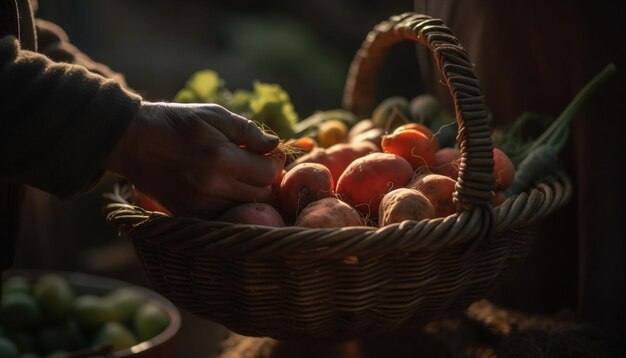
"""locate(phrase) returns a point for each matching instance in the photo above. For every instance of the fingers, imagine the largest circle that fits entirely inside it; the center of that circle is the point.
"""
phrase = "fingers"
(248, 193)
(258, 169)
(243, 131)
(217, 195)
(236, 128)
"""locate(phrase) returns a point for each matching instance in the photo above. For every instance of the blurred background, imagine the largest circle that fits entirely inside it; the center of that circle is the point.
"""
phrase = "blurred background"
(156, 45)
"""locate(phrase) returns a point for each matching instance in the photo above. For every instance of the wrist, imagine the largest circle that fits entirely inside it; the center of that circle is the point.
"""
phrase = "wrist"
(116, 162)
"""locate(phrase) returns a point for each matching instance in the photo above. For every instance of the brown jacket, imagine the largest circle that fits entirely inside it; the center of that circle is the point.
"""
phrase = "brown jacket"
(60, 115)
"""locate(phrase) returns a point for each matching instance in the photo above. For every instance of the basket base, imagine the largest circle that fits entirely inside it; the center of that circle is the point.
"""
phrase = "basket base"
(484, 330)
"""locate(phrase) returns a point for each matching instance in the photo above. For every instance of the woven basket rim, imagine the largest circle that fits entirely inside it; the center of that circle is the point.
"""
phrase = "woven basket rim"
(221, 238)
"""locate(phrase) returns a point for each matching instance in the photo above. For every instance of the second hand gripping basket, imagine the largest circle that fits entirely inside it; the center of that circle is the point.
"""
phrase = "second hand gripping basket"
(295, 282)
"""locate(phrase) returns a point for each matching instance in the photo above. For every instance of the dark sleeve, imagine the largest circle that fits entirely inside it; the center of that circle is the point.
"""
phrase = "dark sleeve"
(53, 42)
(58, 122)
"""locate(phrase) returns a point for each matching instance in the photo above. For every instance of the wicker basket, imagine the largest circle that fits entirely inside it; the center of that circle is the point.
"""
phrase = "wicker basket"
(296, 282)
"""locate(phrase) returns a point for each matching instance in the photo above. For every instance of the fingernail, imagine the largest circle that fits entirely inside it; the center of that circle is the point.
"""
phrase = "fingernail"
(270, 138)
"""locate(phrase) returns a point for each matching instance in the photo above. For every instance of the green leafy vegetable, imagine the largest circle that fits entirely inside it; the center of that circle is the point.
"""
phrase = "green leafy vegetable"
(556, 135)
(270, 105)
(540, 158)
(267, 104)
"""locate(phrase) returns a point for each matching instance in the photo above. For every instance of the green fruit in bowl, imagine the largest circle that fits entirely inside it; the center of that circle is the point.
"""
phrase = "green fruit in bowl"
(19, 310)
(23, 340)
(7, 348)
(115, 334)
(124, 302)
(150, 320)
(61, 337)
(55, 297)
(15, 284)
(91, 311)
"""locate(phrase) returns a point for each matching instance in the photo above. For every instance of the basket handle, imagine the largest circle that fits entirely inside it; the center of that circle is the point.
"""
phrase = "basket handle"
(476, 180)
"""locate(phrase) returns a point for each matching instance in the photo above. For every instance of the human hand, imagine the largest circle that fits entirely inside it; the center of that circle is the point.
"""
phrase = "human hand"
(191, 157)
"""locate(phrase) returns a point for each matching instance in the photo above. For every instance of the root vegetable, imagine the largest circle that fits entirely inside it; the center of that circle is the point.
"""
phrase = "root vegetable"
(273, 199)
(438, 189)
(499, 197)
(447, 162)
(412, 145)
(317, 155)
(328, 213)
(404, 204)
(253, 213)
(367, 179)
(302, 185)
(361, 126)
(503, 169)
(421, 128)
(341, 155)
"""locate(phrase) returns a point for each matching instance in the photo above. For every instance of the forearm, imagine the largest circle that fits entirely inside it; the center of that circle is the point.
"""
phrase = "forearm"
(58, 122)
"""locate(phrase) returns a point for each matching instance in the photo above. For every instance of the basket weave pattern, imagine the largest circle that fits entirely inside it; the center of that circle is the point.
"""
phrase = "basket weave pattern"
(296, 282)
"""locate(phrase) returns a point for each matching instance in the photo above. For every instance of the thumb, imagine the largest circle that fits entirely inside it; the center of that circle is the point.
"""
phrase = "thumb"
(245, 132)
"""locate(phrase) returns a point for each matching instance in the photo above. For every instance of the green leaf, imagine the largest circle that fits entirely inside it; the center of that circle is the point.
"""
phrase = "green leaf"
(270, 106)
(239, 101)
(206, 85)
(186, 95)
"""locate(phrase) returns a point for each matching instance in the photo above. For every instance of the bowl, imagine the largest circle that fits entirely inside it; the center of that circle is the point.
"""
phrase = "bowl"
(161, 345)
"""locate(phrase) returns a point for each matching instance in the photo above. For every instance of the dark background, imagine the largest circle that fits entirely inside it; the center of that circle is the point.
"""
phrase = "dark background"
(306, 48)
